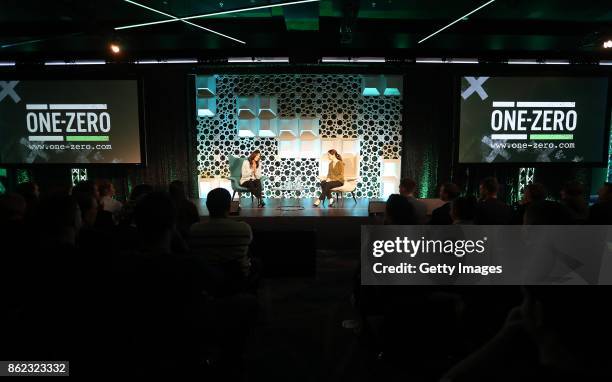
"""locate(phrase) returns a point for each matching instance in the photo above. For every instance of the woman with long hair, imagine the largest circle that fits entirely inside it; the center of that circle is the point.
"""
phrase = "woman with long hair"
(251, 176)
(335, 177)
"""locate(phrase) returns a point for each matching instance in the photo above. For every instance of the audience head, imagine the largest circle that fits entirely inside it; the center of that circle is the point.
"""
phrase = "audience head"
(334, 155)
(177, 190)
(59, 188)
(534, 192)
(89, 208)
(106, 188)
(218, 202)
(407, 187)
(139, 191)
(605, 192)
(155, 216)
(12, 208)
(449, 192)
(546, 212)
(29, 191)
(399, 211)
(59, 218)
(489, 187)
(572, 189)
(86, 187)
(463, 209)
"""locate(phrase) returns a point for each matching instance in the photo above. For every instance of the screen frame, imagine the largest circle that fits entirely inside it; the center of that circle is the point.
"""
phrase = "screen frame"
(603, 162)
(142, 131)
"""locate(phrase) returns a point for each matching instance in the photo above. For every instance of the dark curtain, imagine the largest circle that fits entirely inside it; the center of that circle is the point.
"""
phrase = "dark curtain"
(427, 155)
(170, 128)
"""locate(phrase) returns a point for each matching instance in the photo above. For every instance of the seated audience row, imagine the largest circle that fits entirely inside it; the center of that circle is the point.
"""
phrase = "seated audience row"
(490, 210)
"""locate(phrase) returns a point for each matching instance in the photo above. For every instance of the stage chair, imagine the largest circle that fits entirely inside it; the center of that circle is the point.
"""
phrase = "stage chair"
(235, 166)
(351, 177)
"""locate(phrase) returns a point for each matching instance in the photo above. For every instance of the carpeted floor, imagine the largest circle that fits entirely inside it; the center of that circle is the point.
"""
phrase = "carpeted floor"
(300, 335)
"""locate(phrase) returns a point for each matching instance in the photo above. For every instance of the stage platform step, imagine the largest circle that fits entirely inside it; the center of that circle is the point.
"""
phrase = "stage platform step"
(346, 207)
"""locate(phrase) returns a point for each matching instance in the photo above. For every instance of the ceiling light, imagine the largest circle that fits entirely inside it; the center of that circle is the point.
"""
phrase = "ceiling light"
(174, 19)
(463, 61)
(7, 63)
(368, 59)
(181, 61)
(556, 62)
(251, 60)
(353, 59)
(79, 62)
(335, 59)
(522, 61)
(115, 48)
(169, 61)
(271, 59)
(606, 62)
(456, 21)
(607, 44)
(429, 60)
(234, 60)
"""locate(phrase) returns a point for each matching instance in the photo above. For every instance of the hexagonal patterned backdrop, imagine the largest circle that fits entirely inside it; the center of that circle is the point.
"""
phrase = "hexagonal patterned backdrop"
(342, 110)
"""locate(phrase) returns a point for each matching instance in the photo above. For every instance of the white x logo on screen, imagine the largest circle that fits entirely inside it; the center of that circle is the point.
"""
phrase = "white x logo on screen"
(7, 89)
(475, 87)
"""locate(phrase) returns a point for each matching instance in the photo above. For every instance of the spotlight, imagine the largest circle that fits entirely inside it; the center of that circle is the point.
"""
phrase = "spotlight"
(115, 48)
(607, 44)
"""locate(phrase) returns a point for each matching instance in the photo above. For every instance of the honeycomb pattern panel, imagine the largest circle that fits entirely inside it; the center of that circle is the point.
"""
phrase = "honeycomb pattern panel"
(342, 111)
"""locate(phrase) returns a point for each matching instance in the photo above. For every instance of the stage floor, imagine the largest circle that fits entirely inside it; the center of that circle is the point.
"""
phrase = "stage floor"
(285, 208)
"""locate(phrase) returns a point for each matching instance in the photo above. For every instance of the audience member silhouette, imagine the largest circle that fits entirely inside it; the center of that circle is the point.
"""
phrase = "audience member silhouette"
(86, 187)
(157, 297)
(463, 209)
(490, 210)
(187, 211)
(601, 212)
(222, 241)
(442, 215)
(550, 336)
(399, 210)
(546, 212)
(572, 197)
(13, 209)
(84, 191)
(126, 216)
(533, 193)
(407, 189)
(107, 197)
(31, 194)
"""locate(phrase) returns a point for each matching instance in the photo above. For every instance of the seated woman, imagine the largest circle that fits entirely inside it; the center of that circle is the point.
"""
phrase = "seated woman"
(335, 177)
(251, 176)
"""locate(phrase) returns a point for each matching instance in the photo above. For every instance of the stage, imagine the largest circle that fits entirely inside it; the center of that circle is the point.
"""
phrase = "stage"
(337, 227)
(285, 207)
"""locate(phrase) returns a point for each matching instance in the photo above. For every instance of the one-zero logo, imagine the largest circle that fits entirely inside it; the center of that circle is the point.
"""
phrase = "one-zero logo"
(69, 122)
(512, 120)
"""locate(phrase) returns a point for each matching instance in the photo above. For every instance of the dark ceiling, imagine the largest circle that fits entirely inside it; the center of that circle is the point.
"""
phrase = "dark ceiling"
(45, 29)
